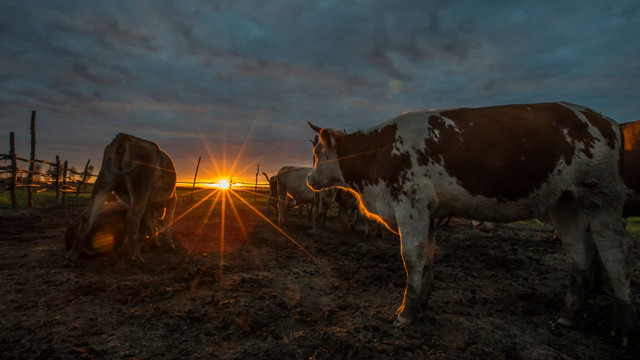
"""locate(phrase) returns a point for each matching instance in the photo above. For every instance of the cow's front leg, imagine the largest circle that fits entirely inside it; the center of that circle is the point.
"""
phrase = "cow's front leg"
(283, 207)
(132, 226)
(571, 225)
(167, 223)
(418, 251)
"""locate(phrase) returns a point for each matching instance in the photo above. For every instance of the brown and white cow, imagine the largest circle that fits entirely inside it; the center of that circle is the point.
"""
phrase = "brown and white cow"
(558, 159)
(292, 186)
(143, 177)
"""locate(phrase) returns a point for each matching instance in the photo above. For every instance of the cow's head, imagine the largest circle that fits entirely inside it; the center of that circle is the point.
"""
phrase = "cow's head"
(86, 223)
(104, 234)
(326, 171)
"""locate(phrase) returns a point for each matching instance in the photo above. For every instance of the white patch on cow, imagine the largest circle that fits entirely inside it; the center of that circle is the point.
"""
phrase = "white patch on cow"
(413, 132)
(435, 133)
(577, 110)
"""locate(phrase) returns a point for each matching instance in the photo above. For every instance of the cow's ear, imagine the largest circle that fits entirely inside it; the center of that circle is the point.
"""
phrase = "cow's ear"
(328, 137)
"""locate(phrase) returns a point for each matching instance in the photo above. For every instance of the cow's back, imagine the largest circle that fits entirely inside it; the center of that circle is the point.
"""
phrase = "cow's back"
(520, 155)
(293, 180)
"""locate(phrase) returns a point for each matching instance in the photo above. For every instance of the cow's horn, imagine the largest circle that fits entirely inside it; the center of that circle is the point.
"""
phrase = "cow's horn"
(315, 128)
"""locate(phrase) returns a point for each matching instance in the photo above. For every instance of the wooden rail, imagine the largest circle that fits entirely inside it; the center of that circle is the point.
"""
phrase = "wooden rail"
(59, 177)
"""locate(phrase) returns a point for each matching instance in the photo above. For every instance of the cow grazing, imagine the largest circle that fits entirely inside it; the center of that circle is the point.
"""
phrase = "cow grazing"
(143, 177)
(292, 186)
(555, 159)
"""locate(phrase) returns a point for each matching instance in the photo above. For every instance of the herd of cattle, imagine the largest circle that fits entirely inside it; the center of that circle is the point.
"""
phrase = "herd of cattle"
(560, 163)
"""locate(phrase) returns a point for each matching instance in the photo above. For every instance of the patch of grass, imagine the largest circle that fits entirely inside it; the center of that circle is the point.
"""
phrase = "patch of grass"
(633, 227)
(46, 198)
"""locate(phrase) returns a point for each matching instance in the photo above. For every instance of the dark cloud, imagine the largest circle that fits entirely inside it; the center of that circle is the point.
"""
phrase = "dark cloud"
(204, 75)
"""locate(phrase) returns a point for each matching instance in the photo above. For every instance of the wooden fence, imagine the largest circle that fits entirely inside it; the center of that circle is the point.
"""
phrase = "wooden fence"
(59, 177)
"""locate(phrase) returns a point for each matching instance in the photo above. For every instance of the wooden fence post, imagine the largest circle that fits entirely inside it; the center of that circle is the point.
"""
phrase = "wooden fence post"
(195, 176)
(255, 190)
(33, 160)
(14, 171)
(85, 175)
(64, 182)
(57, 182)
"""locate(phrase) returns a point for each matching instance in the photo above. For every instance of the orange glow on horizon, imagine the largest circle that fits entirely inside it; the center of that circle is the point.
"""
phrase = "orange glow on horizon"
(221, 183)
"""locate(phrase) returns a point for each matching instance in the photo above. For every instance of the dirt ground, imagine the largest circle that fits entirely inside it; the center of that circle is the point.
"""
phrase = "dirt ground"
(323, 295)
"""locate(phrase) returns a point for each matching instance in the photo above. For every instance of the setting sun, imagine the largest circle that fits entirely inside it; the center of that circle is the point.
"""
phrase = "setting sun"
(222, 184)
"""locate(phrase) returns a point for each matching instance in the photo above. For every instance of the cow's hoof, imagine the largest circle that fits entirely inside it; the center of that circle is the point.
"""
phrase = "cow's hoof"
(401, 322)
(560, 323)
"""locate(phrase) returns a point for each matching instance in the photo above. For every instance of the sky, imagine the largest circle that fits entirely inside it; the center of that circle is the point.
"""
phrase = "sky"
(235, 82)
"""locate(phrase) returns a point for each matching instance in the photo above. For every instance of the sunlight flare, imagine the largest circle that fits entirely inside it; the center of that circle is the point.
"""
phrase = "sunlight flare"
(279, 229)
(223, 184)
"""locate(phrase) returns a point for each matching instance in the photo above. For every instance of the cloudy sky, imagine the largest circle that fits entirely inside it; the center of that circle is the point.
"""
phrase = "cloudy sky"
(235, 81)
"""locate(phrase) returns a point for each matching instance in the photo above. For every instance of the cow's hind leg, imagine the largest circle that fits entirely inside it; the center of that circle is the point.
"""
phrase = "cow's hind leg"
(167, 223)
(283, 206)
(612, 244)
(571, 224)
(139, 194)
(418, 251)
(133, 221)
(149, 226)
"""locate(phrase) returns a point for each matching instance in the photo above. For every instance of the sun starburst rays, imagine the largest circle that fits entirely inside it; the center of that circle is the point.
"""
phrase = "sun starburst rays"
(221, 194)
(291, 239)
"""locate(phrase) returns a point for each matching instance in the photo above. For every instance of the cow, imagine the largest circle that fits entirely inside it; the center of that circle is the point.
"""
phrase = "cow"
(556, 159)
(631, 172)
(143, 177)
(292, 186)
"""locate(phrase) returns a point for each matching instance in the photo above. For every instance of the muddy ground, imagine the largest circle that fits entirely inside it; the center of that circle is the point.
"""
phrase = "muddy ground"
(323, 295)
